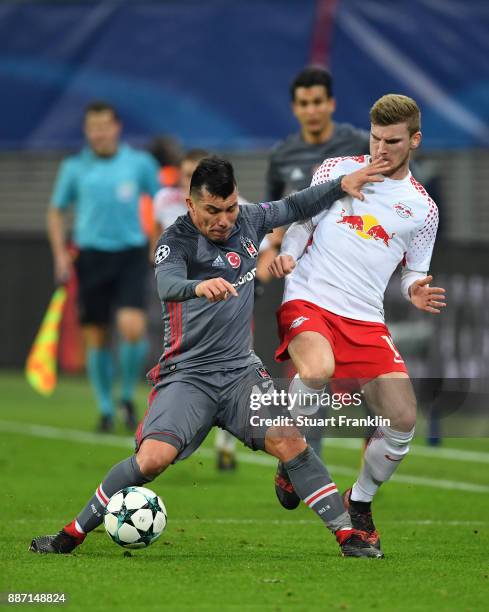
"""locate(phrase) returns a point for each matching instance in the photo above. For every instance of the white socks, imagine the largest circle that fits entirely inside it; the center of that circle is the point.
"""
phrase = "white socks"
(304, 399)
(225, 441)
(385, 451)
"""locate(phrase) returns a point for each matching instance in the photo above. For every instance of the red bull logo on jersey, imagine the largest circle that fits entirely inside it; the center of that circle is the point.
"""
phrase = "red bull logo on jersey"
(366, 226)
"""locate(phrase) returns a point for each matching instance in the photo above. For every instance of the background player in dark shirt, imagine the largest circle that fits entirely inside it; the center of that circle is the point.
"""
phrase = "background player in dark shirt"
(205, 265)
(294, 160)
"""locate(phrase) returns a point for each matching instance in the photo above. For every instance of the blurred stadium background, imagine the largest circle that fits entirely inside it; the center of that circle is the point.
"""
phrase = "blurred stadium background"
(216, 75)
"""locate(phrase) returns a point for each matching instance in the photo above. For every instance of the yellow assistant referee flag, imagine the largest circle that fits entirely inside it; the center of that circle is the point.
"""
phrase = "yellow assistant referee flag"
(42, 362)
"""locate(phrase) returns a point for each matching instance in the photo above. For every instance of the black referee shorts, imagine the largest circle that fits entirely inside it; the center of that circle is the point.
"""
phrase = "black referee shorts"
(109, 280)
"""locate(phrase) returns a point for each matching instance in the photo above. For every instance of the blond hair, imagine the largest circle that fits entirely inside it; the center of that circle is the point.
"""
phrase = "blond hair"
(396, 108)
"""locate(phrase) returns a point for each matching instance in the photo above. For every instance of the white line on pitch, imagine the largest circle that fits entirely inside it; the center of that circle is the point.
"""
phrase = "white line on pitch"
(314, 522)
(456, 454)
(231, 521)
(56, 433)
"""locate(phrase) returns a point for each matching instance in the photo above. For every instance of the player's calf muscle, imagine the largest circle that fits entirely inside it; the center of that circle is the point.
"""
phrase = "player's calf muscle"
(400, 414)
(285, 443)
(394, 399)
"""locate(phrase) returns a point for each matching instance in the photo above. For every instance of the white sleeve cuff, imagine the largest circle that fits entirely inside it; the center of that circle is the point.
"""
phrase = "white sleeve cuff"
(296, 239)
(408, 277)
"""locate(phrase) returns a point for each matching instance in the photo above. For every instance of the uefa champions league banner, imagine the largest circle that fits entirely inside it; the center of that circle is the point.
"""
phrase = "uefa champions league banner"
(217, 73)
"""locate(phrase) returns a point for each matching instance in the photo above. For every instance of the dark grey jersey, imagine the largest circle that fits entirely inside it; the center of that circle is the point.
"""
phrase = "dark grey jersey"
(209, 336)
(294, 161)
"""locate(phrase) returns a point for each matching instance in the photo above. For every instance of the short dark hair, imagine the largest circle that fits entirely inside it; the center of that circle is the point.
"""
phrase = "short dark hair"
(310, 76)
(216, 175)
(100, 106)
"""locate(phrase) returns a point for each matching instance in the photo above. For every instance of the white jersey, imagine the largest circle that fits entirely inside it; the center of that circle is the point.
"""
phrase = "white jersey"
(356, 246)
(168, 205)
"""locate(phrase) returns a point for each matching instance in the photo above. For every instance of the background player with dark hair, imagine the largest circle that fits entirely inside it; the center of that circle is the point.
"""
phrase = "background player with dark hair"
(205, 266)
(294, 160)
(104, 183)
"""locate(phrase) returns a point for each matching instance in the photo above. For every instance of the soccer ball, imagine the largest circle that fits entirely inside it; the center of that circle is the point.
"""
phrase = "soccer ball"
(135, 517)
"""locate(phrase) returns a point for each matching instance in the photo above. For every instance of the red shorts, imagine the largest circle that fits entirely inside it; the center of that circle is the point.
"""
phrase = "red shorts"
(362, 350)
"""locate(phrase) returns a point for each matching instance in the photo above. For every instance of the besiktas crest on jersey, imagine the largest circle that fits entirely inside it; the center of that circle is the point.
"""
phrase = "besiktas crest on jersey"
(249, 246)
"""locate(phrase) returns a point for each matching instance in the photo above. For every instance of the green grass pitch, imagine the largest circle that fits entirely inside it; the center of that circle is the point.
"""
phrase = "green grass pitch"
(228, 544)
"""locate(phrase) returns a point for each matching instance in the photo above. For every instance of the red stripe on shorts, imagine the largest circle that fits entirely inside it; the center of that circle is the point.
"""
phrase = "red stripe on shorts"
(139, 430)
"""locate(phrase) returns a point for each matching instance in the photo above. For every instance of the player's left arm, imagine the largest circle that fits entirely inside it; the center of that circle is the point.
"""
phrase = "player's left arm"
(172, 259)
(415, 283)
(299, 233)
(313, 200)
(424, 297)
(294, 244)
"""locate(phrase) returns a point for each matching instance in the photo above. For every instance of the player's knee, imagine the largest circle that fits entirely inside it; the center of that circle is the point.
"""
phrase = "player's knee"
(96, 336)
(151, 466)
(406, 419)
(315, 374)
(154, 457)
(132, 335)
(406, 423)
(131, 323)
(285, 445)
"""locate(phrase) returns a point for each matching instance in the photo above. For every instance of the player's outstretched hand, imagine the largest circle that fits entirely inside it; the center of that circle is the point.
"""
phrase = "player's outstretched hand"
(215, 290)
(282, 265)
(424, 297)
(352, 183)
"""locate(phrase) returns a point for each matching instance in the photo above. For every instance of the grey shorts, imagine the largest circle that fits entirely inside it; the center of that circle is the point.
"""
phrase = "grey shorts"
(186, 404)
